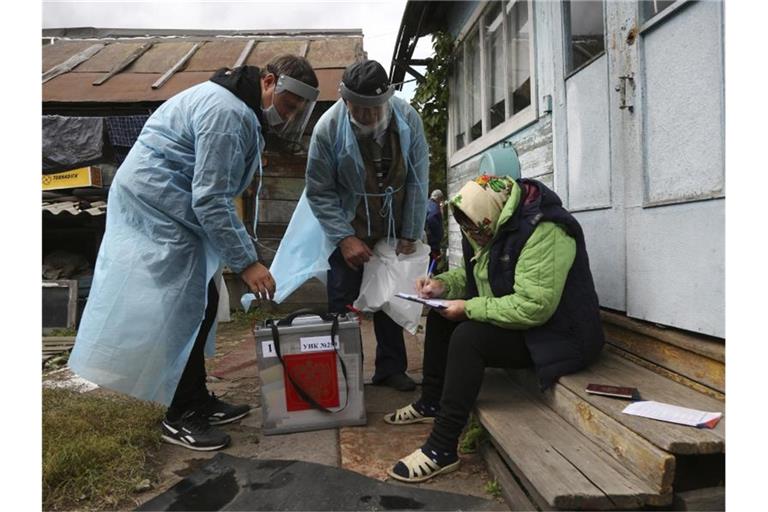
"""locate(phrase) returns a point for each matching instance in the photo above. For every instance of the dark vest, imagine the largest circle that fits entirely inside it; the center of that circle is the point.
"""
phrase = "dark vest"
(573, 337)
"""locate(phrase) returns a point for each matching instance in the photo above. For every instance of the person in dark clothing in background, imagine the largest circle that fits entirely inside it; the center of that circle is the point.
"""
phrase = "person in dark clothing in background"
(434, 226)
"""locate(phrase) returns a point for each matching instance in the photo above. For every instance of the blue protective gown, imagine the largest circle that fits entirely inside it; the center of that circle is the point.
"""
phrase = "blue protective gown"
(336, 185)
(171, 223)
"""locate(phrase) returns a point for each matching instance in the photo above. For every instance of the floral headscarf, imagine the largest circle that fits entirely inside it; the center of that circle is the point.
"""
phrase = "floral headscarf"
(482, 200)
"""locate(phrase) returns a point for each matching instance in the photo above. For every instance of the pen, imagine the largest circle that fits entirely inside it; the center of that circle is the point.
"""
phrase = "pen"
(432, 265)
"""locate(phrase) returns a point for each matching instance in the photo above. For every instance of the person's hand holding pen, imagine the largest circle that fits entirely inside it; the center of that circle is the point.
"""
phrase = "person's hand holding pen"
(428, 288)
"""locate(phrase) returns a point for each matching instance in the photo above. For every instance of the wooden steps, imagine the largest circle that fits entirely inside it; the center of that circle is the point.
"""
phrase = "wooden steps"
(676, 439)
(559, 466)
(699, 359)
(567, 449)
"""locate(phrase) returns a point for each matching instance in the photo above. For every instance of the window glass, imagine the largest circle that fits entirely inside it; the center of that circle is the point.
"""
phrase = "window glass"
(650, 8)
(518, 52)
(586, 38)
(494, 44)
(472, 79)
(459, 95)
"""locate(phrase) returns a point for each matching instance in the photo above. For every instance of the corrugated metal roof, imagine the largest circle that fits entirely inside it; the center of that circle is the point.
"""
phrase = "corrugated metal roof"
(329, 55)
(75, 207)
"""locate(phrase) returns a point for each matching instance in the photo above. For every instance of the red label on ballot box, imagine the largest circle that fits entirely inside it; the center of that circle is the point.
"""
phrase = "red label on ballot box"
(316, 373)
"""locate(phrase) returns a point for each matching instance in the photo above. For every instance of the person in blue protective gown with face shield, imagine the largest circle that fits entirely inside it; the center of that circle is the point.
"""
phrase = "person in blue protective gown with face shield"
(367, 178)
(171, 225)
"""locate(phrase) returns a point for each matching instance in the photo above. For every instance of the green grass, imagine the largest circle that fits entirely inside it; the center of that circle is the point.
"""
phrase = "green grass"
(95, 449)
(493, 488)
(473, 436)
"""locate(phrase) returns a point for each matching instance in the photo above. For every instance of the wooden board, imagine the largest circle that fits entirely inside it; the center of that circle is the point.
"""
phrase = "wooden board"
(711, 498)
(511, 491)
(272, 211)
(161, 57)
(113, 53)
(696, 367)
(702, 345)
(678, 439)
(284, 189)
(284, 166)
(685, 381)
(266, 231)
(651, 464)
(566, 468)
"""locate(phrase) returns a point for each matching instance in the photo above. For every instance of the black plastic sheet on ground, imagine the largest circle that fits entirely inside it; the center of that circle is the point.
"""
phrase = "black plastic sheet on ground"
(233, 483)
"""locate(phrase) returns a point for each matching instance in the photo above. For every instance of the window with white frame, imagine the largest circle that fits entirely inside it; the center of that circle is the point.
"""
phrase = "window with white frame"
(650, 8)
(586, 33)
(491, 82)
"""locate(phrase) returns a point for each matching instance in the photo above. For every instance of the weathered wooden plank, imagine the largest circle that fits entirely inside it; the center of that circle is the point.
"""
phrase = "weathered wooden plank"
(690, 364)
(511, 491)
(273, 211)
(564, 466)
(698, 344)
(679, 439)
(72, 62)
(711, 498)
(135, 54)
(284, 166)
(653, 465)
(267, 231)
(244, 54)
(176, 67)
(685, 381)
(282, 188)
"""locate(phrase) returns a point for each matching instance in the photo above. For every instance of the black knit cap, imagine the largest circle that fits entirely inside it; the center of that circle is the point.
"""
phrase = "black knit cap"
(366, 77)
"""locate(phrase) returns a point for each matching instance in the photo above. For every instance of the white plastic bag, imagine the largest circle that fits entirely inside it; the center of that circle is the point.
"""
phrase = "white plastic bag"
(386, 274)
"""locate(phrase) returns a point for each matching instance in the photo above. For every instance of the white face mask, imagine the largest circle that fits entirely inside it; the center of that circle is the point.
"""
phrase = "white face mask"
(272, 116)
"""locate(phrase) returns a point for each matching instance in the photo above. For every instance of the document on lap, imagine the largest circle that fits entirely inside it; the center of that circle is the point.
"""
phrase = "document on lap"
(433, 303)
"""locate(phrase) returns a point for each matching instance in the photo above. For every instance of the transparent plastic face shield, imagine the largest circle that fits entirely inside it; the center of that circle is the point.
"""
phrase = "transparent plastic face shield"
(294, 101)
(367, 111)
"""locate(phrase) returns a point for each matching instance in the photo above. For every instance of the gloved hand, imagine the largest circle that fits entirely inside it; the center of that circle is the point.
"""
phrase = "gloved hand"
(405, 246)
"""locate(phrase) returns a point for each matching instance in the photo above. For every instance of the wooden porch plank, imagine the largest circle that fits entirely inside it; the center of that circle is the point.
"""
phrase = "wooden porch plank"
(678, 439)
(511, 491)
(563, 465)
(697, 344)
(698, 368)
(651, 464)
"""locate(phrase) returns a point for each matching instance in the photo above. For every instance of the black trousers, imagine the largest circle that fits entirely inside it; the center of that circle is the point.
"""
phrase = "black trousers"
(191, 390)
(455, 357)
(343, 288)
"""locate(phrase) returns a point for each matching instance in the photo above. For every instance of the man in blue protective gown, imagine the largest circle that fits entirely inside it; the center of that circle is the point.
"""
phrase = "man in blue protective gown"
(367, 178)
(171, 225)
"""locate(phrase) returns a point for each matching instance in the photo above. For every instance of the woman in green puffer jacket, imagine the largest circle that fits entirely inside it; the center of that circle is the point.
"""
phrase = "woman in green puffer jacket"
(523, 298)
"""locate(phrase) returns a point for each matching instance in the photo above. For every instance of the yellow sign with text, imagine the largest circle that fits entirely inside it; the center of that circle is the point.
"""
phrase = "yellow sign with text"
(76, 178)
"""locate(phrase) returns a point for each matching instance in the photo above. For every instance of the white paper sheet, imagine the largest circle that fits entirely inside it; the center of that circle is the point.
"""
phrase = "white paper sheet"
(433, 303)
(673, 414)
